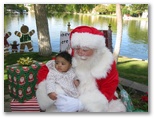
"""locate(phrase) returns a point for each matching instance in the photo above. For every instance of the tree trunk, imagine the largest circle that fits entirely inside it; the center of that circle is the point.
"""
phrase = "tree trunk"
(119, 32)
(44, 44)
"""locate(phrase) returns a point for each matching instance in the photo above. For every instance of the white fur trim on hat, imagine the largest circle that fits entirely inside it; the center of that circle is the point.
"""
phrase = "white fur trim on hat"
(87, 40)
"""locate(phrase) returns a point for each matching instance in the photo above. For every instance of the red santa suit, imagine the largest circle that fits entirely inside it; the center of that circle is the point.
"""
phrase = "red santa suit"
(98, 75)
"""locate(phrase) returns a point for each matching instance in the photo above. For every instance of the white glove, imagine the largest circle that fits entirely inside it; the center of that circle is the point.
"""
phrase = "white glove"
(68, 104)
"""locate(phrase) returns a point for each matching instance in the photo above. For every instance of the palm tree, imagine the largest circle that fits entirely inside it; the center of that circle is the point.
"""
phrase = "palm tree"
(45, 48)
(119, 32)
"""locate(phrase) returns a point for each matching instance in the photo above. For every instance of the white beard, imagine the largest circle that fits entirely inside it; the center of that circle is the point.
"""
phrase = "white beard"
(92, 99)
(95, 66)
(85, 62)
(83, 71)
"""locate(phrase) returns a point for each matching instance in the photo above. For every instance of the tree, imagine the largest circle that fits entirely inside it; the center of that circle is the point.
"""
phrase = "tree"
(70, 8)
(45, 48)
(111, 8)
(138, 8)
(79, 8)
(102, 9)
(119, 32)
(56, 8)
(18, 7)
(125, 10)
(87, 8)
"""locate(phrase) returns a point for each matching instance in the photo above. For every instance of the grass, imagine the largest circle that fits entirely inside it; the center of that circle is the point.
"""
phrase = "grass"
(132, 69)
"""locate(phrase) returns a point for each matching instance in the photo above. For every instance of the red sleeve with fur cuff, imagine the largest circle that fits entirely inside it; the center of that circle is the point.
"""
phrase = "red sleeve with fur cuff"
(42, 74)
(108, 85)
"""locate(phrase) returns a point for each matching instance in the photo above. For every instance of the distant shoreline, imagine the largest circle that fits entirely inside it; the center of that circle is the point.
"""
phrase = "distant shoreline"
(113, 16)
(146, 60)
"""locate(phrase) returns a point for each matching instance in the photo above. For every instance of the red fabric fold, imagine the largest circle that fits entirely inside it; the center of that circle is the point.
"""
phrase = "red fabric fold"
(108, 85)
(42, 74)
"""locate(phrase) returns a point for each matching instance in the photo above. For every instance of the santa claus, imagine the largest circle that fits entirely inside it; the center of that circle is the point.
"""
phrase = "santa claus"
(96, 70)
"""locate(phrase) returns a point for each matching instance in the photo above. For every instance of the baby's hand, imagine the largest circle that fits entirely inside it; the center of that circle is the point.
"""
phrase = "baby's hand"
(76, 82)
(53, 95)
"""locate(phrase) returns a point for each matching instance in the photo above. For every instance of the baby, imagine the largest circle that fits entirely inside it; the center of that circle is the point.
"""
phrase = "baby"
(61, 75)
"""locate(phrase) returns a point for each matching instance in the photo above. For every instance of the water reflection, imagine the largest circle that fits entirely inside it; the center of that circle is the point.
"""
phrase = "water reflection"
(134, 39)
(138, 32)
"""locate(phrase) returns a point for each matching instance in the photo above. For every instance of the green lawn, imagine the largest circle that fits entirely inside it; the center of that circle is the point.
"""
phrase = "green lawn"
(132, 69)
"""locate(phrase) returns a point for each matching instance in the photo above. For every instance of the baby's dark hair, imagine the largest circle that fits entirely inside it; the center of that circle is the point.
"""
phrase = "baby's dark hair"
(66, 56)
(14, 42)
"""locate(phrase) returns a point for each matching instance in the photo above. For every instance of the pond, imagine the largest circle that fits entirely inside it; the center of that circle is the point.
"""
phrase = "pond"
(134, 38)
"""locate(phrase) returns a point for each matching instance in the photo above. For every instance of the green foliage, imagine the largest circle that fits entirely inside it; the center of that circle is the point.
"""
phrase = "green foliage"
(125, 10)
(133, 9)
(87, 8)
(55, 8)
(83, 8)
(138, 9)
(111, 8)
(101, 9)
(70, 8)
(17, 7)
(79, 8)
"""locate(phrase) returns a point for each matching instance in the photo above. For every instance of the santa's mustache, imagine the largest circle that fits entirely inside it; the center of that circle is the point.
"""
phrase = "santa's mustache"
(83, 57)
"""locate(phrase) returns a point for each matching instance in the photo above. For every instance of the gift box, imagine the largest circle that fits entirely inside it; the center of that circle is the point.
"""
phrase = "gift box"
(28, 106)
(22, 80)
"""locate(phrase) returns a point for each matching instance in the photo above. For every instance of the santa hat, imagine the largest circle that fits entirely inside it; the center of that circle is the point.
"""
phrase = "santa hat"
(85, 36)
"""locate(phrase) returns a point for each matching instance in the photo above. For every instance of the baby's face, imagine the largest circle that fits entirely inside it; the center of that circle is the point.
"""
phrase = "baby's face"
(62, 65)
